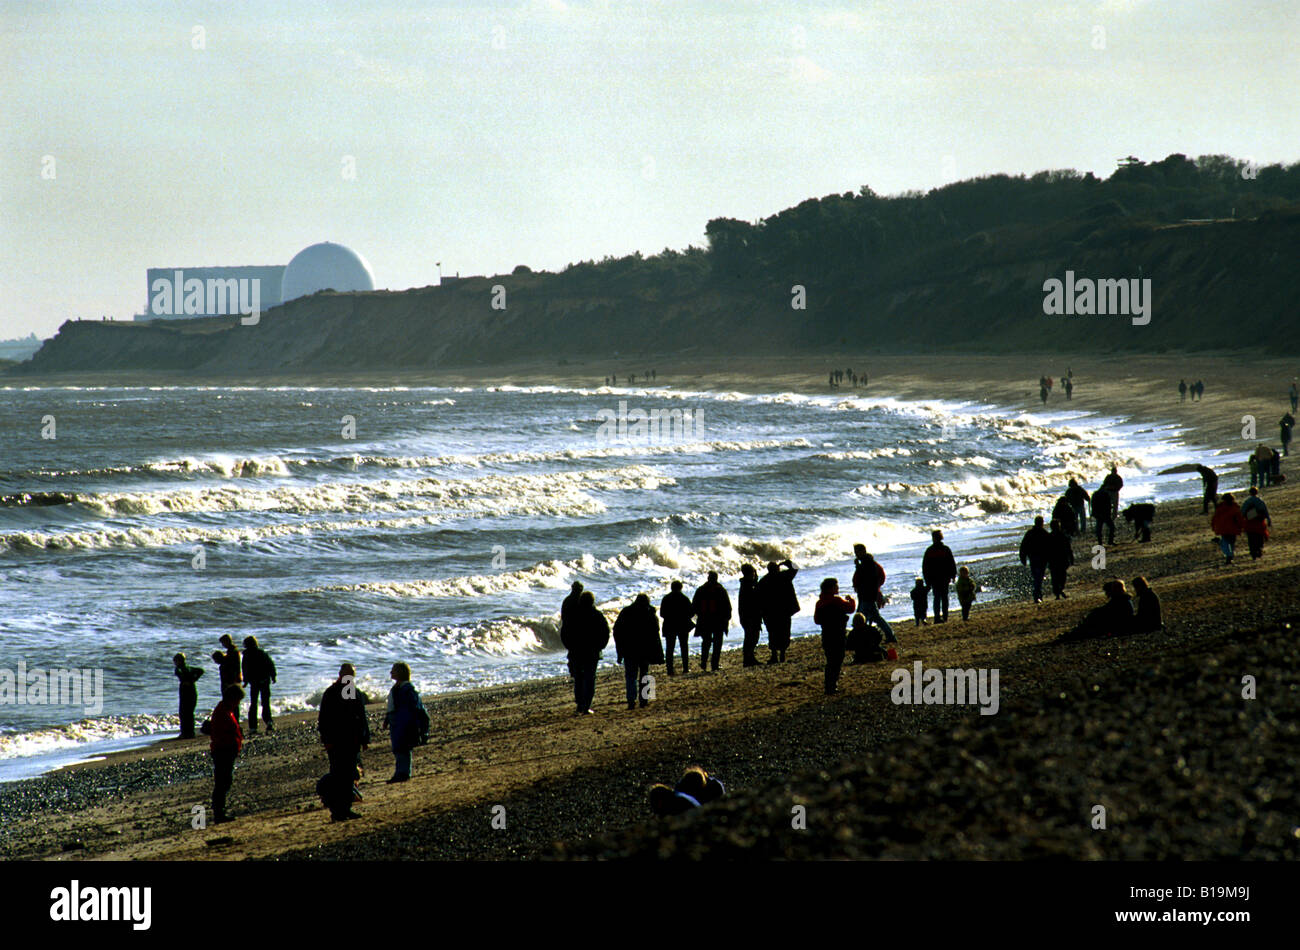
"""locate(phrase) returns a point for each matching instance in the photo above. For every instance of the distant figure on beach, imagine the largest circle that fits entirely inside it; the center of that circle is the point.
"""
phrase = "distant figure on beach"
(864, 640)
(868, 582)
(1252, 463)
(1078, 498)
(1210, 487)
(1148, 619)
(345, 731)
(1256, 522)
(585, 638)
(939, 568)
(189, 693)
(1182, 390)
(1035, 547)
(712, 606)
(779, 602)
(230, 675)
(1042, 393)
(677, 612)
(1275, 469)
(965, 587)
(1228, 524)
(1113, 619)
(832, 614)
(1200, 390)
(1140, 516)
(750, 612)
(1113, 483)
(920, 595)
(259, 674)
(830, 380)
(227, 740)
(613, 380)
(1285, 425)
(1060, 558)
(1293, 393)
(1063, 512)
(636, 638)
(406, 721)
(1103, 515)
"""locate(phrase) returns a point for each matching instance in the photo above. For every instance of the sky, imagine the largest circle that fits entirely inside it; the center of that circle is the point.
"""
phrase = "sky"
(541, 132)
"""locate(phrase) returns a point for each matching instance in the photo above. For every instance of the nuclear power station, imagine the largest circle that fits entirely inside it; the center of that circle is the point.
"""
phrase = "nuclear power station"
(186, 293)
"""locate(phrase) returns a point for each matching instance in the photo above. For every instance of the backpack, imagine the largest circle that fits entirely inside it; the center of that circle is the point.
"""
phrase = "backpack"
(421, 726)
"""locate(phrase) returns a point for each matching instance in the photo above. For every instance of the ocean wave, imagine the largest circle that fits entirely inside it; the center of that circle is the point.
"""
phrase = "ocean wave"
(278, 466)
(562, 494)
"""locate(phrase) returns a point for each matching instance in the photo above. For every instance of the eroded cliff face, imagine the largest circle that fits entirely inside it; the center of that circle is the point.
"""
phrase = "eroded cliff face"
(1214, 286)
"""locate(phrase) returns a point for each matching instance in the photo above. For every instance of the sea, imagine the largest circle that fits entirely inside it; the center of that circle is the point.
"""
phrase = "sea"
(443, 525)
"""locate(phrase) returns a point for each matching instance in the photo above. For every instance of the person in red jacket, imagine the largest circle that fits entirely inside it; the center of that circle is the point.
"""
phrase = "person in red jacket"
(832, 614)
(227, 740)
(1228, 525)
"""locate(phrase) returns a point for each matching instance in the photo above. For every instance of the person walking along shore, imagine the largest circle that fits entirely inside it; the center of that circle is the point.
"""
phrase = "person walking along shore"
(227, 740)
(585, 636)
(406, 721)
(712, 607)
(677, 614)
(636, 638)
(345, 732)
(868, 582)
(832, 614)
(779, 602)
(189, 693)
(259, 674)
(751, 613)
(939, 569)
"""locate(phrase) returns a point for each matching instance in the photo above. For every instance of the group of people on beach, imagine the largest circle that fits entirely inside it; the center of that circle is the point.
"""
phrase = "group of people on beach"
(1196, 390)
(836, 378)
(342, 722)
(257, 670)
(847, 623)
(649, 376)
(1045, 385)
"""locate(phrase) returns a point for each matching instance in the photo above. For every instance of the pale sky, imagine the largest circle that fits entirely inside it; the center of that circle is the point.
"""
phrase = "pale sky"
(485, 135)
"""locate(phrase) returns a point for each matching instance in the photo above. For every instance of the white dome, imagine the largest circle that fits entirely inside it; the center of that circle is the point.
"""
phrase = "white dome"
(325, 266)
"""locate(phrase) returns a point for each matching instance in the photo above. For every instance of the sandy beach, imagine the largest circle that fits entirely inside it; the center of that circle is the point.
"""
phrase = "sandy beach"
(1153, 727)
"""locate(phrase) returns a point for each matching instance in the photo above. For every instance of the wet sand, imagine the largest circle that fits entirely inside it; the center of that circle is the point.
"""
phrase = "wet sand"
(1070, 715)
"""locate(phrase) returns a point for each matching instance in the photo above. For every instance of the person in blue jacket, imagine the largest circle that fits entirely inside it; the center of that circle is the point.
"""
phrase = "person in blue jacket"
(404, 721)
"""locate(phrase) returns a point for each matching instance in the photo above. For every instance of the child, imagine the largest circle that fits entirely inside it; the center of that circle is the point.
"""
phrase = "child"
(864, 641)
(965, 592)
(919, 593)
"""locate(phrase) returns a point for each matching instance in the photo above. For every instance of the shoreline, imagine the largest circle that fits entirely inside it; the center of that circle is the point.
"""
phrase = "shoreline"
(993, 542)
(146, 771)
(575, 786)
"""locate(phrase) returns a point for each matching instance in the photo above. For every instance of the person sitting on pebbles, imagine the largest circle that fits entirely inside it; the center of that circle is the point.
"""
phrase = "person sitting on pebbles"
(1112, 619)
(696, 787)
(865, 641)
